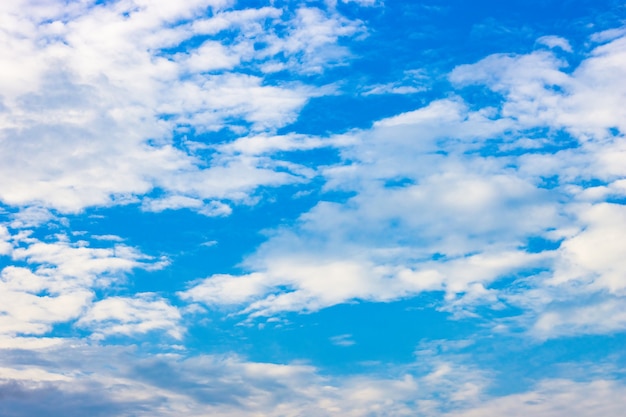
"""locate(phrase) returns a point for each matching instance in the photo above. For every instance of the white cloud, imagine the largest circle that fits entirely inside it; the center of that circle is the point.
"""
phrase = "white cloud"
(89, 115)
(5, 245)
(555, 42)
(170, 385)
(26, 313)
(596, 255)
(31, 375)
(210, 56)
(61, 378)
(413, 81)
(224, 289)
(265, 144)
(293, 282)
(552, 398)
(230, 386)
(88, 120)
(608, 35)
(312, 42)
(83, 264)
(430, 211)
(112, 238)
(248, 20)
(583, 293)
(57, 281)
(586, 102)
(343, 340)
(175, 202)
(392, 88)
(142, 313)
(30, 343)
(469, 212)
(607, 315)
(31, 217)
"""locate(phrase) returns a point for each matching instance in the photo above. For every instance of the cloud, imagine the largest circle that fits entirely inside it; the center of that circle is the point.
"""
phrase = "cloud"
(607, 315)
(448, 198)
(222, 385)
(225, 289)
(89, 117)
(366, 3)
(54, 282)
(583, 292)
(583, 101)
(243, 388)
(5, 245)
(553, 398)
(555, 42)
(112, 238)
(414, 81)
(383, 243)
(312, 43)
(128, 380)
(140, 314)
(343, 340)
(32, 217)
(595, 255)
(176, 202)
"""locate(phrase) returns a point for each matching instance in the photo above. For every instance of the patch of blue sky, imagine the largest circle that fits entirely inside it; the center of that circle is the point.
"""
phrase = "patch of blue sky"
(383, 334)
(517, 364)
(537, 244)
(444, 34)
(313, 158)
(343, 112)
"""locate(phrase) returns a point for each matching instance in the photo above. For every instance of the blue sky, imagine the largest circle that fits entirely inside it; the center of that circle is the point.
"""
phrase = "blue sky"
(313, 208)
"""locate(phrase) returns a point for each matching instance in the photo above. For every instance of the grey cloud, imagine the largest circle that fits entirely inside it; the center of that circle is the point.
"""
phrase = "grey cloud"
(19, 399)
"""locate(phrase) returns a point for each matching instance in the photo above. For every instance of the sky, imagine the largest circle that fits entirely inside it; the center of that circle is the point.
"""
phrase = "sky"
(312, 208)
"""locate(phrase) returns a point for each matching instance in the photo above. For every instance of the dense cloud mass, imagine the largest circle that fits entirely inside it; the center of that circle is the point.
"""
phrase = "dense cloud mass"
(233, 208)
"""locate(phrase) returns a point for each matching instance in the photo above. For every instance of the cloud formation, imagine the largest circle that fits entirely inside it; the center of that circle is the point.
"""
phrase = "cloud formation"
(89, 117)
(432, 211)
(177, 238)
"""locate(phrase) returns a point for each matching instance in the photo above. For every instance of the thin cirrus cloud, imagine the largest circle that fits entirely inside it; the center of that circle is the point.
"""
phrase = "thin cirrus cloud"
(179, 239)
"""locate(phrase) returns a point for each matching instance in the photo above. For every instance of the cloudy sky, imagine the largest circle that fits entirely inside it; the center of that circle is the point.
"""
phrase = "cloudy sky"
(312, 208)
